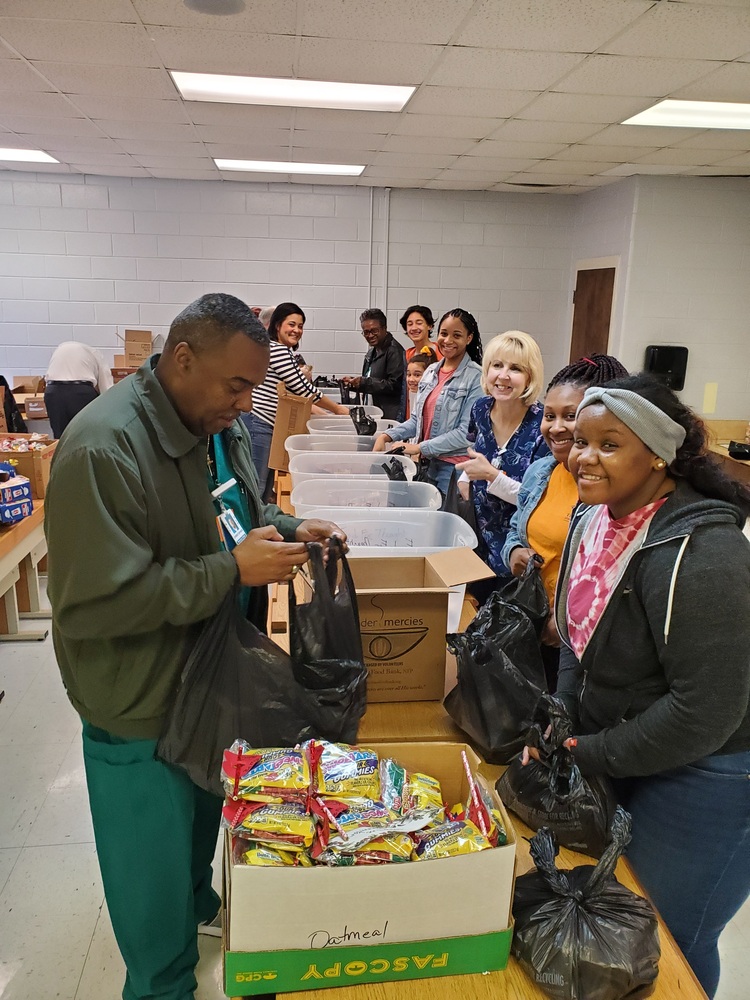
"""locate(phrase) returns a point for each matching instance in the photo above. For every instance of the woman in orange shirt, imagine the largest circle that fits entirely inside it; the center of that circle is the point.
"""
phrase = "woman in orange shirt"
(549, 492)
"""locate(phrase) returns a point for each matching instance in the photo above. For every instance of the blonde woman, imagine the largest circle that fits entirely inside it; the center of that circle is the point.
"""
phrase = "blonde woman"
(505, 431)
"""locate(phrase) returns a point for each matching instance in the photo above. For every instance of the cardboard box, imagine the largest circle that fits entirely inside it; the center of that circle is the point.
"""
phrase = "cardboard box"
(118, 374)
(119, 361)
(35, 465)
(10, 513)
(36, 408)
(292, 414)
(28, 384)
(138, 347)
(403, 617)
(14, 489)
(308, 928)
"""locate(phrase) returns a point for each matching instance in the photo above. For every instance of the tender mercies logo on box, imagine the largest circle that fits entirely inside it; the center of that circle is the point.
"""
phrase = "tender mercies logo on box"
(387, 638)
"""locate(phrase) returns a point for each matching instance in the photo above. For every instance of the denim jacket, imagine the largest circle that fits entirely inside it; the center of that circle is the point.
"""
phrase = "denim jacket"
(533, 485)
(450, 421)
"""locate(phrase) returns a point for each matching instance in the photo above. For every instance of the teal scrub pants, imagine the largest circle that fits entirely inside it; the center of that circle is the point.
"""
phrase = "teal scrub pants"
(155, 837)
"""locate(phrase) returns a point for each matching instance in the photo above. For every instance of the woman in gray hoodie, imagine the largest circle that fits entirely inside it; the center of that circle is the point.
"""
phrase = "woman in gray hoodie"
(653, 607)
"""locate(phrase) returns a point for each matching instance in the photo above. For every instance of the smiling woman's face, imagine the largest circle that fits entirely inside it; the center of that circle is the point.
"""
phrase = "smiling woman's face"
(559, 419)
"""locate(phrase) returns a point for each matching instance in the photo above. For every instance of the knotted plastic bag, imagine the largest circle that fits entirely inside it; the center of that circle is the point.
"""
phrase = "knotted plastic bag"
(580, 934)
(552, 792)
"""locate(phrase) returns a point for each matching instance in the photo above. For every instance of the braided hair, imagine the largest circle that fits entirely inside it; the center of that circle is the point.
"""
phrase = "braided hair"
(595, 370)
(694, 463)
(474, 347)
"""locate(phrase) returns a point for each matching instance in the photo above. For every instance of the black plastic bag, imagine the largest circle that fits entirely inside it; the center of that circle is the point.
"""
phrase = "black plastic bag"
(395, 471)
(528, 593)
(500, 679)
(552, 791)
(349, 396)
(363, 424)
(580, 934)
(454, 503)
(237, 684)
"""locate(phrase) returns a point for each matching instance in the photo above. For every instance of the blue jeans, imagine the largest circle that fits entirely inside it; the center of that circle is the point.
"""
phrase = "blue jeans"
(691, 850)
(260, 439)
(439, 473)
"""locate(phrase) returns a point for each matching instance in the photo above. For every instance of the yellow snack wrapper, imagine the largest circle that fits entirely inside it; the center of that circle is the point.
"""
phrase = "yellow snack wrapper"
(345, 772)
(449, 840)
(285, 824)
(264, 856)
(423, 792)
(266, 775)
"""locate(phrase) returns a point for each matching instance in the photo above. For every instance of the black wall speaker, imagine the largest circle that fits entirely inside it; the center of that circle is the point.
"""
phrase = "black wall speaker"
(668, 363)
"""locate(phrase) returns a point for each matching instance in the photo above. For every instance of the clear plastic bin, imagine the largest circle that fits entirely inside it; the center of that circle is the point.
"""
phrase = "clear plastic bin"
(345, 465)
(299, 444)
(343, 425)
(358, 494)
(399, 532)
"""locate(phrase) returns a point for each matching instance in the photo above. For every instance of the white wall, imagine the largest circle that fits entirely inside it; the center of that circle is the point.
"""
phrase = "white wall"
(689, 284)
(81, 257)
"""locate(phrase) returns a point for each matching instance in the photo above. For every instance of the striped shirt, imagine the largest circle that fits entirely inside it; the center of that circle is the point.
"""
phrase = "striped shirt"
(283, 368)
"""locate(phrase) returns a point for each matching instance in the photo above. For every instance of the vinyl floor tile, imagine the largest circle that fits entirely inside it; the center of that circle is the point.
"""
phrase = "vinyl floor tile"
(26, 775)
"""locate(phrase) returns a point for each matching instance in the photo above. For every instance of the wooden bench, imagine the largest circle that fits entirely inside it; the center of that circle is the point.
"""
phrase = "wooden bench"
(22, 548)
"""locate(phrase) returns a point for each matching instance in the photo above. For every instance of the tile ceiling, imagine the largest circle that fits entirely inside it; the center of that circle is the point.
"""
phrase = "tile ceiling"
(511, 94)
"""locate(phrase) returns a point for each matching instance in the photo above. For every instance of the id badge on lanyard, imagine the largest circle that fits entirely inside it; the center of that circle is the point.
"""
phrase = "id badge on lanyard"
(229, 524)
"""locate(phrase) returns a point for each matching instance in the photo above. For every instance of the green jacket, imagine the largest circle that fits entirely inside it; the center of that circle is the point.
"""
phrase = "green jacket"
(134, 552)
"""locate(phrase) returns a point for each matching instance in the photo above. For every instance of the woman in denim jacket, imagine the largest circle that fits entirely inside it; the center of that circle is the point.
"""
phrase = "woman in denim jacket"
(436, 430)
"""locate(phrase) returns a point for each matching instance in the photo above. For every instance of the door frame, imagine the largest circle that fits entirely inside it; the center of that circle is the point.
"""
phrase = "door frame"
(595, 264)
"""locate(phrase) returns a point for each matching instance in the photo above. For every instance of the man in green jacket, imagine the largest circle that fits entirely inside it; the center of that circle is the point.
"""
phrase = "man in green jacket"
(136, 560)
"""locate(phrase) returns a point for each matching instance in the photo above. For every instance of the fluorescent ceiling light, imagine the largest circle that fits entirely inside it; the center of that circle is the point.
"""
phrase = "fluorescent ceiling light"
(290, 93)
(694, 114)
(286, 167)
(27, 156)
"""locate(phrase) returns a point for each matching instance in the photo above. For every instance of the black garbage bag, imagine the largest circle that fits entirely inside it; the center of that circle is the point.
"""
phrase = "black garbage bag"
(349, 396)
(580, 934)
(363, 424)
(528, 593)
(454, 503)
(394, 470)
(552, 792)
(500, 677)
(238, 684)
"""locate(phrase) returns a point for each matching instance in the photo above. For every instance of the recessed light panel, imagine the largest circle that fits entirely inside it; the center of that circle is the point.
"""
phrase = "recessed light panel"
(286, 167)
(694, 114)
(26, 156)
(290, 93)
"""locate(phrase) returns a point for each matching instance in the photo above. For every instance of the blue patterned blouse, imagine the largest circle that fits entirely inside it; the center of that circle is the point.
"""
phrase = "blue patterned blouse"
(525, 445)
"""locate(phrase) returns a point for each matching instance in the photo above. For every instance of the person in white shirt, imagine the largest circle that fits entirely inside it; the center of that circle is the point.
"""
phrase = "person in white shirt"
(77, 374)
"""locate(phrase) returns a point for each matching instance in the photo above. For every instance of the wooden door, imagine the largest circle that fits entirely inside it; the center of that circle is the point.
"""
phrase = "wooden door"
(592, 309)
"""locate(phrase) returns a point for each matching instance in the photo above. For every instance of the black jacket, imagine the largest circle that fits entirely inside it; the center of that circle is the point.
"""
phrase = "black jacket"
(383, 375)
(665, 678)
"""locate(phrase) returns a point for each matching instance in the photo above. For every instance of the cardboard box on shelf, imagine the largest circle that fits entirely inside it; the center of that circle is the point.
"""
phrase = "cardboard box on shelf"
(36, 408)
(118, 374)
(325, 927)
(292, 414)
(14, 489)
(403, 617)
(11, 513)
(35, 465)
(31, 384)
(119, 361)
(138, 346)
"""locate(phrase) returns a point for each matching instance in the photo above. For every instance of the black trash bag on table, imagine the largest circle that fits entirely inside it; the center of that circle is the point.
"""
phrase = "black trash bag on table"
(552, 791)
(499, 681)
(528, 594)
(395, 471)
(238, 684)
(363, 424)
(580, 934)
(349, 396)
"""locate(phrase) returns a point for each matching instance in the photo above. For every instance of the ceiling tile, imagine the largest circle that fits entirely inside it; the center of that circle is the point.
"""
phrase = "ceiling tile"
(44, 105)
(558, 25)
(78, 10)
(728, 83)
(82, 145)
(494, 163)
(202, 50)
(365, 61)
(427, 160)
(683, 157)
(102, 159)
(387, 20)
(95, 170)
(476, 177)
(607, 154)
(248, 150)
(156, 148)
(190, 175)
(338, 140)
(180, 162)
(463, 66)
(686, 31)
(278, 16)
(469, 101)
(501, 147)
(48, 126)
(633, 76)
(525, 130)
(539, 177)
(450, 126)
(136, 81)
(18, 77)
(718, 138)
(419, 144)
(413, 173)
(327, 120)
(137, 109)
(79, 41)
(459, 184)
(240, 115)
(640, 135)
(561, 166)
(583, 108)
(147, 130)
(224, 134)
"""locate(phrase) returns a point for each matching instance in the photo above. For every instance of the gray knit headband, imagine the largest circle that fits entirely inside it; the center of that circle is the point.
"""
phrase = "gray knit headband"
(661, 435)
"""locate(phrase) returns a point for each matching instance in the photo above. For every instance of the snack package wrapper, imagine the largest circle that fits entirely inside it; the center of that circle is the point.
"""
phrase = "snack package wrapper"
(268, 775)
(396, 847)
(449, 840)
(493, 820)
(248, 852)
(286, 825)
(401, 791)
(344, 772)
(393, 780)
(365, 821)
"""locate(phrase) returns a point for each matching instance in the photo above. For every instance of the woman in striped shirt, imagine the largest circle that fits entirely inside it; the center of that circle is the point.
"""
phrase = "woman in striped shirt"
(285, 330)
